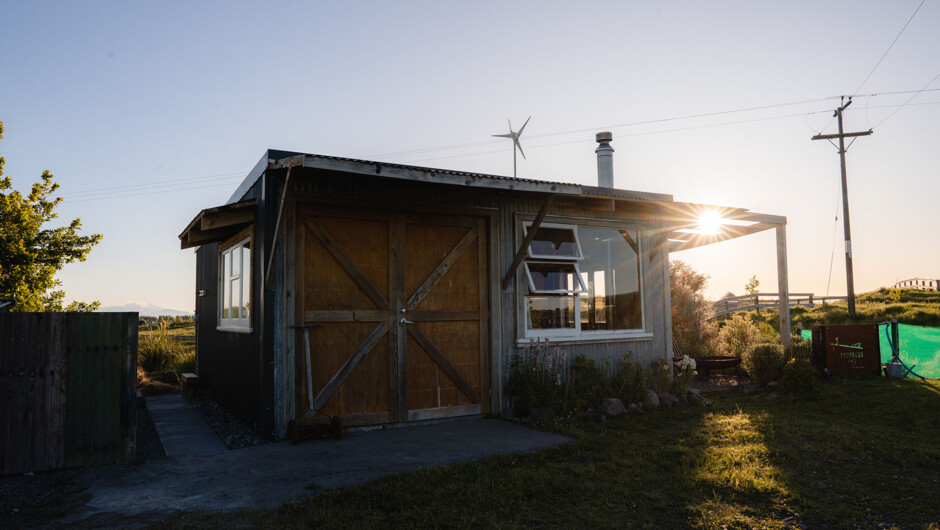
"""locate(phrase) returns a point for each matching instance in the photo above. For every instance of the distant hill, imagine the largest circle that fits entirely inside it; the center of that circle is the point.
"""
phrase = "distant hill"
(144, 309)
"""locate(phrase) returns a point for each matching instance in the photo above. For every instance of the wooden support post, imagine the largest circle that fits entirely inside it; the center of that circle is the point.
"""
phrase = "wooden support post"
(783, 289)
(530, 235)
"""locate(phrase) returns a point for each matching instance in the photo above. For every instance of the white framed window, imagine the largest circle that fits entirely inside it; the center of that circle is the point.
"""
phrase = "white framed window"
(584, 282)
(554, 241)
(235, 286)
(554, 277)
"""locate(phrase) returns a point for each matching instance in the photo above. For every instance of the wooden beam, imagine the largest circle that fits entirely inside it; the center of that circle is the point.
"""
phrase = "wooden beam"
(334, 383)
(226, 218)
(759, 218)
(196, 238)
(376, 315)
(277, 226)
(443, 316)
(443, 363)
(530, 235)
(728, 232)
(422, 291)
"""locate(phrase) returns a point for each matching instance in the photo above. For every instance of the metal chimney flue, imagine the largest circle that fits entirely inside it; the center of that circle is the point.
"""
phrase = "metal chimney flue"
(605, 160)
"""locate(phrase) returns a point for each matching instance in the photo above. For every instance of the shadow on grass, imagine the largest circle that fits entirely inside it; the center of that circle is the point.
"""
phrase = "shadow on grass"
(860, 452)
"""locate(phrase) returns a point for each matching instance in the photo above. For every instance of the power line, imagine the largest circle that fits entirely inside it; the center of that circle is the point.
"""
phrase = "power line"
(195, 183)
(738, 122)
(615, 126)
(885, 54)
(148, 193)
(908, 100)
(154, 185)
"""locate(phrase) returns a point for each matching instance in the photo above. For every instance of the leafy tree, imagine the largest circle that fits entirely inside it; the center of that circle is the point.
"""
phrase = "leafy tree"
(752, 286)
(696, 335)
(31, 255)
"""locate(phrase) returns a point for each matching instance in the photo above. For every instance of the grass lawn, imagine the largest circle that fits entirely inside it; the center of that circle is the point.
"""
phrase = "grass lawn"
(856, 453)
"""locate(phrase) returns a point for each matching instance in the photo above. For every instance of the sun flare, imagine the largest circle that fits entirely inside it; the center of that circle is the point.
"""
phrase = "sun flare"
(709, 222)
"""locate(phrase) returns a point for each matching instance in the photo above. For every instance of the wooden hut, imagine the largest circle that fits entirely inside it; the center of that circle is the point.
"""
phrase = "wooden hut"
(384, 293)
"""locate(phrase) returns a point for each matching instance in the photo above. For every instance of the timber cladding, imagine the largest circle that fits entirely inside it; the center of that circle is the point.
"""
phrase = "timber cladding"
(395, 315)
(67, 389)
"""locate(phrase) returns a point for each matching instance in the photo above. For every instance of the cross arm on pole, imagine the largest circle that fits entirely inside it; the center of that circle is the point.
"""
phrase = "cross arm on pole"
(843, 135)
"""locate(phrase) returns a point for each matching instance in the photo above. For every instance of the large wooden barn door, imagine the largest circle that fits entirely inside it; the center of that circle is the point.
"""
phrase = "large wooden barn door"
(446, 310)
(395, 310)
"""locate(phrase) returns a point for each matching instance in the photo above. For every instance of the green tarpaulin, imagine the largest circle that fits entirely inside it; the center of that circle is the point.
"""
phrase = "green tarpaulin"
(920, 346)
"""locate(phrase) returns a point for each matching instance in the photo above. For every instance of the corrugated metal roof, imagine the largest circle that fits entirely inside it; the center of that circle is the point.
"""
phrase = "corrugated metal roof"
(441, 171)
(438, 175)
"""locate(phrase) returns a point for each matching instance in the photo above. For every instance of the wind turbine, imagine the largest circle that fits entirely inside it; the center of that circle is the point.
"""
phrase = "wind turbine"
(515, 141)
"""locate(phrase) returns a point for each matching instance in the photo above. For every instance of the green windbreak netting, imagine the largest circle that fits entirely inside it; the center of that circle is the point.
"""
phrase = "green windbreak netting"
(920, 346)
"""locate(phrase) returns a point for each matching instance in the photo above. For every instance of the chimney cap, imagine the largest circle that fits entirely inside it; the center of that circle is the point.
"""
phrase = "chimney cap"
(603, 137)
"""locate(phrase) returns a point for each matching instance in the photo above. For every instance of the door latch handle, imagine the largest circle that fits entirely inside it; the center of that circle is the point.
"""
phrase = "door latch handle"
(403, 321)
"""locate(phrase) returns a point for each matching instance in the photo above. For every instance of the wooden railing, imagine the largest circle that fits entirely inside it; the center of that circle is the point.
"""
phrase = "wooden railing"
(758, 301)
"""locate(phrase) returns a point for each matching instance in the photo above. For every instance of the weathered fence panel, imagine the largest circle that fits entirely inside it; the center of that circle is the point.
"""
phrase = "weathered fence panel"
(67, 389)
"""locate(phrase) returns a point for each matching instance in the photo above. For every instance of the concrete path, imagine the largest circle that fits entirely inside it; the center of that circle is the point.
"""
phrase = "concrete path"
(182, 430)
(269, 475)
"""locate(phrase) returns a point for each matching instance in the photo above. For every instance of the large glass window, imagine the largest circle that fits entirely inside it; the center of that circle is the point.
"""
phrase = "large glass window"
(583, 280)
(611, 269)
(235, 291)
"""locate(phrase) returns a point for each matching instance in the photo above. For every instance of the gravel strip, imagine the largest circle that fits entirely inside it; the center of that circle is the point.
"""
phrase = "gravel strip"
(233, 432)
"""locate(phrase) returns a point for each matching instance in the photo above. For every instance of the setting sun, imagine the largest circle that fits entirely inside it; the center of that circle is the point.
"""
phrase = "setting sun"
(710, 222)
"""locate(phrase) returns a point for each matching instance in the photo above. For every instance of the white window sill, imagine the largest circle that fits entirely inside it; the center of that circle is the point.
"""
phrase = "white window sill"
(234, 329)
(591, 337)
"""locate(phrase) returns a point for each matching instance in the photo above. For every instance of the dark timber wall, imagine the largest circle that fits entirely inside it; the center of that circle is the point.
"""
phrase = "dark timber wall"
(67, 389)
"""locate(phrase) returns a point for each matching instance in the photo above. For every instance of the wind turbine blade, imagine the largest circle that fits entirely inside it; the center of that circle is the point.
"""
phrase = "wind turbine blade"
(510, 124)
(521, 152)
(502, 135)
(523, 126)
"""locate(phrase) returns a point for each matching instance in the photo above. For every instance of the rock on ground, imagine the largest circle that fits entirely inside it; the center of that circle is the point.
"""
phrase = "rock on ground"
(666, 399)
(651, 400)
(612, 407)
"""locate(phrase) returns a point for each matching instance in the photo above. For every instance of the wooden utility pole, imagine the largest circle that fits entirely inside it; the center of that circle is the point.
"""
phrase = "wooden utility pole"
(849, 275)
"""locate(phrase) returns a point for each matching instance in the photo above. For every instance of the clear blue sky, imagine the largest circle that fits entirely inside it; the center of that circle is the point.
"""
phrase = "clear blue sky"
(123, 100)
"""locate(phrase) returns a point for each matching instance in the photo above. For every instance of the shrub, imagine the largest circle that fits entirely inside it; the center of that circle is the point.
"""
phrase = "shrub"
(767, 332)
(535, 377)
(799, 349)
(158, 351)
(628, 384)
(798, 375)
(738, 335)
(155, 355)
(587, 384)
(763, 362)
(185, 363)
